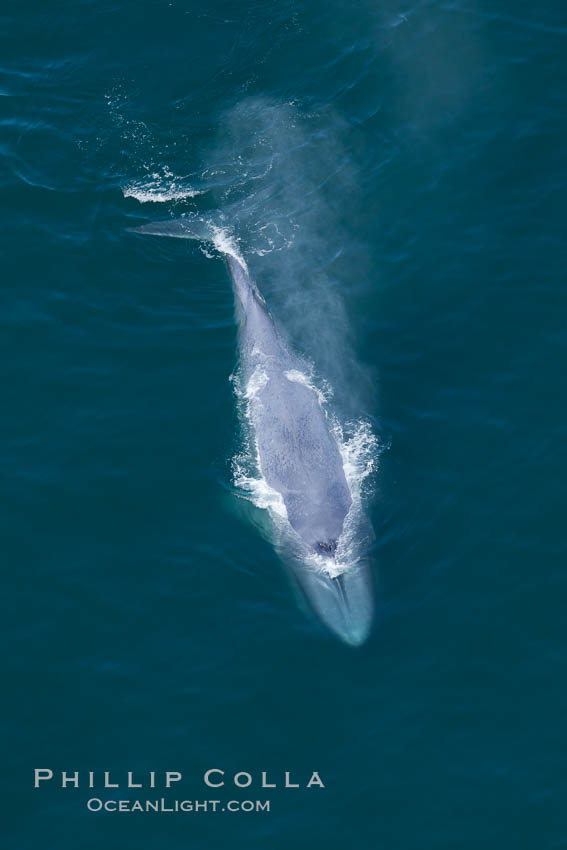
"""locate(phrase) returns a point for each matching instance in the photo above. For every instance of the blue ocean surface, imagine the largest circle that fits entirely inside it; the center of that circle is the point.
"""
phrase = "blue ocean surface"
(394, 175)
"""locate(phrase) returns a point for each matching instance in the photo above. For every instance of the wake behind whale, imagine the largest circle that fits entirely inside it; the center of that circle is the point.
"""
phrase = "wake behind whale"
(297, 453)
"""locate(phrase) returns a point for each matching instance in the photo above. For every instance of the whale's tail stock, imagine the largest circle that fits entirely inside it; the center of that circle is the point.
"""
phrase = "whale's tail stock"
(198, 228)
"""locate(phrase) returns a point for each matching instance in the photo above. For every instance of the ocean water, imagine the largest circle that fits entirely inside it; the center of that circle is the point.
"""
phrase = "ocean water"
(394, 176)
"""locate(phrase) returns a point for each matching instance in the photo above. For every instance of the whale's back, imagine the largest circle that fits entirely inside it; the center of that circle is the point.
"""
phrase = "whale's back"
(300, 458)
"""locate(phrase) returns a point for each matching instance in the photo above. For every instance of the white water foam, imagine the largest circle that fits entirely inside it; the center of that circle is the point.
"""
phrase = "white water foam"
(359, 452)
(160, 189)
(225, 243)
(323, 395)
(148, 193)
(246, 472)
(258, 491)
(160, 186)
(257, 381)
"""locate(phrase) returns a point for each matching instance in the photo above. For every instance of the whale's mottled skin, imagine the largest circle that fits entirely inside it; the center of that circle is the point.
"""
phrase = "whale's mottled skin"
(299, 457)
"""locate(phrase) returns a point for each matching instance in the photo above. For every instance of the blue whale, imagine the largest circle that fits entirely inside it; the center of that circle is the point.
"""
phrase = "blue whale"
(298, 456)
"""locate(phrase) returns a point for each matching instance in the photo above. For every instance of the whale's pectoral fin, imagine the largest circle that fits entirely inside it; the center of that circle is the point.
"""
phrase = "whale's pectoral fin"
(187, 227)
